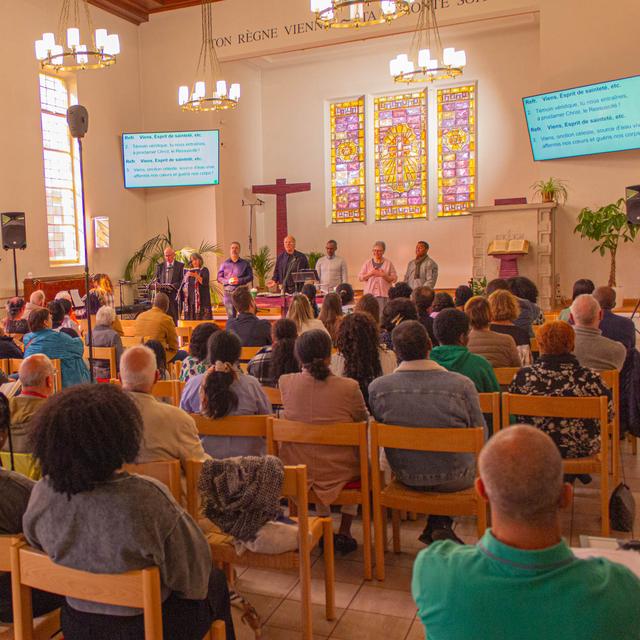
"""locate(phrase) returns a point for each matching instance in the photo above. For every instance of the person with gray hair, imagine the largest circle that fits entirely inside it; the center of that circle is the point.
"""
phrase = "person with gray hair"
(37, 375)
(103, 335)
(36, 301)
(168, 432)
(592, 349)
(378, 274)
(522, 580)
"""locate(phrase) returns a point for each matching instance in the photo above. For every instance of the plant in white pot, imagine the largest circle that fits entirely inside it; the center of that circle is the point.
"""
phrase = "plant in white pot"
(607, 227)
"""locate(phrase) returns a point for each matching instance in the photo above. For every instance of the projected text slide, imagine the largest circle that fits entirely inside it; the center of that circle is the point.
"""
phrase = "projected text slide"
(170, 159)
(597, 118)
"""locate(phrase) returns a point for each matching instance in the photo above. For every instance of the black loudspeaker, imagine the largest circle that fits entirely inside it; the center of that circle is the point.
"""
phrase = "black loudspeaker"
(633, 204)
(14, 233)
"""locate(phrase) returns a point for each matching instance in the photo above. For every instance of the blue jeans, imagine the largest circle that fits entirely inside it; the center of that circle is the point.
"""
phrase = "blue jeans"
(228, 305)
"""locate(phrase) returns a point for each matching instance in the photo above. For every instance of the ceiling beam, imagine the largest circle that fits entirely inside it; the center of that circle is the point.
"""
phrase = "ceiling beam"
(137, 11)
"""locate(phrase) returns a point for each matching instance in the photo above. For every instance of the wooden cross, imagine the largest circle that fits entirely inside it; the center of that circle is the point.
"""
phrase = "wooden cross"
(281, 190)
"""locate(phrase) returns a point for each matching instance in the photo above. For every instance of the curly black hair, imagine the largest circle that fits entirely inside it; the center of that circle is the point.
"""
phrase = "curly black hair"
(358, 342)
(400, 290)
(283, 359)
(84, 434)
(397, 311)
(199, 339)
(450, 325)
(313, 349)
(57, 313)
(464, 293)
(423, 298)
(219, 399)
(442, 300)
(524, 288)
(346, 293)
(497, 284)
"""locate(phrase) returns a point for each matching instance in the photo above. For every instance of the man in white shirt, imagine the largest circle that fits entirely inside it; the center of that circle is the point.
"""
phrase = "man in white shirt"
(332, 269)
(168, 432)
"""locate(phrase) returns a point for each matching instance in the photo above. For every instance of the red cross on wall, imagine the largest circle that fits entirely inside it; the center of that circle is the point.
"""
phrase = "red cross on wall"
(281, 190)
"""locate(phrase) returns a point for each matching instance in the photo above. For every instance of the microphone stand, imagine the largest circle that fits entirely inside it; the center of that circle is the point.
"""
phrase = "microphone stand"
(288, 272)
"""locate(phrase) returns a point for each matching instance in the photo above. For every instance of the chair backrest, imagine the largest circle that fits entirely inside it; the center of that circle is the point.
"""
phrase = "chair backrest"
(248, 352)
(168, 389)
(490, 405)
(104, 353)
(131, 341)
(128, 331)
(32, 569)
(505, 375)
(233, 426)
(12, 365)
(6, 542)
(165, 471)
(174, 369)
(274, 395)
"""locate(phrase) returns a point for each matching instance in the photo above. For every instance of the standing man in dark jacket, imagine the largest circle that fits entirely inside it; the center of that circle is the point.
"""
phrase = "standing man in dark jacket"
(289, 262)
(252, 331)
(233, 273)
(171, 272)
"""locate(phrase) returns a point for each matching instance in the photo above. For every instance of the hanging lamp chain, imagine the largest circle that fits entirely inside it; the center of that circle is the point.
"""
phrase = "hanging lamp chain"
(426, 28)
(70, 17)
(208, 61)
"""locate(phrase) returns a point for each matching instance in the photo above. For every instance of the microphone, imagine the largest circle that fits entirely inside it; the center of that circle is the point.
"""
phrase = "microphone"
(78, 120)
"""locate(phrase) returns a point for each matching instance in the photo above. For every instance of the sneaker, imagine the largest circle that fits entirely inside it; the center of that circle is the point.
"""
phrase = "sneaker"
(430, 535)
(344, 544)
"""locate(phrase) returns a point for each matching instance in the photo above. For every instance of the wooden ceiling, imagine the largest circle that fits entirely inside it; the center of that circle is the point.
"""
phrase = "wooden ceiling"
(137, 11)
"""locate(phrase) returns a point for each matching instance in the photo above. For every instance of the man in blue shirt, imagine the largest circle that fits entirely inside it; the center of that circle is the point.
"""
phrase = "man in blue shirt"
(233, 273)
(522, 580)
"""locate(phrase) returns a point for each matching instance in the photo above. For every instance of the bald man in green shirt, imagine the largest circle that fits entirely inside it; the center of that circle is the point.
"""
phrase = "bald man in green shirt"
(521, 581)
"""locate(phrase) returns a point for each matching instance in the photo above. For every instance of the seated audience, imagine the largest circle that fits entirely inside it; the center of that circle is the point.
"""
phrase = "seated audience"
(8, 348)
(68, 322)
(360, 355)
(504, 310)
(522, 580)
(395, 312)
(331, 314)
(157, 324)
(57, 346)
(15, 490)
(423, 299)
(196, 362)
(526, 292)
(252, 331)
(225, 391)
(301, 313)
(161, 362)
(347, 296)
(558, 373)
(400, 290)
(103, 335)
(452, 330)
(592, 349)
(497, 284)
(15, 322)
(271, 362)
(464, 293)
(499, 349)
(57, 318)
(311, 292)
(369, 304)
(612, 325)
(317, 396)
(88, 515)
(37, 376)
(167, 432)
(441, 300)
(36, 302)
(421, 393)
(584, 285)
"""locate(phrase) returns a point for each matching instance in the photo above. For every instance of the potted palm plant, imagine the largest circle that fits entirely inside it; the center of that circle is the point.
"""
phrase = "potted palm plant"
(551, 190)
(262, 263)
(314, 256)
(607, 226)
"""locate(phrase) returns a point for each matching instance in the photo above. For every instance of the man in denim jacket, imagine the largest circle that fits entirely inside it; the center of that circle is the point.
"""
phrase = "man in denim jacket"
(421, 393)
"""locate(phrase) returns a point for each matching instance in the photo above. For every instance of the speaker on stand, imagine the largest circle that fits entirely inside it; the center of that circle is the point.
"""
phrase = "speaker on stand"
(14, 236)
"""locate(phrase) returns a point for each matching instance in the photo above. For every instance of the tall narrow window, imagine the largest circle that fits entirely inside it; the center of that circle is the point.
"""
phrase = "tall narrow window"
(60, 172)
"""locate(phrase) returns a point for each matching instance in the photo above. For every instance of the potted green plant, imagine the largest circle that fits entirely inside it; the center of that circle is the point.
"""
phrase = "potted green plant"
(607, 226)
(551, 190)
(314, 256)
(262, 263)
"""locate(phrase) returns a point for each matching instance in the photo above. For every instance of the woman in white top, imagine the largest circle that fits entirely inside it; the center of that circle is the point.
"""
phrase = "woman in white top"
(360, 355)
(301, 313)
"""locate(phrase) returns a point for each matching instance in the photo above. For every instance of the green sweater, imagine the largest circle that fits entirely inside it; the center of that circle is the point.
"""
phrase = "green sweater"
(461, 360)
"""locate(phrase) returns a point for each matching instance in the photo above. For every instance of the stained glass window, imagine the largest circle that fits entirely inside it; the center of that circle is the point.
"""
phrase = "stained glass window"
(456, 150)
(400, 140)
(347, 161)
(60, 171)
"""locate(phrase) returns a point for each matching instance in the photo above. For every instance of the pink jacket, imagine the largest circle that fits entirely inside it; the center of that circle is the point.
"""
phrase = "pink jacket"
(376, 285)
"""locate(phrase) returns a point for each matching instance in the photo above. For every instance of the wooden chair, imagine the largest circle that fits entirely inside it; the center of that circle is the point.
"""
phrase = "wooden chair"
(32, 569)
(249, 352)
(234, 426)
(274, 395)
(184, 335)
(169, 389)
(12, 365)
(165, 471)
(174, 369)
(310, 531)
(534, 345)
(490, 406)
(352, 434)
(44, 627)
(104, 353)
(131, 341)
(398, 497)
(505, 375)
(129, 331)
(612, 379)
(594, 408)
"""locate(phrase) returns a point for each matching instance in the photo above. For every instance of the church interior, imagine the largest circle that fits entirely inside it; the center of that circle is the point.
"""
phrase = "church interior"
(501, 135)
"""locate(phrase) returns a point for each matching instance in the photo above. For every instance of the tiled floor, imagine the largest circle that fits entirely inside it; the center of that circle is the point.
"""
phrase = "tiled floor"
(371, 609)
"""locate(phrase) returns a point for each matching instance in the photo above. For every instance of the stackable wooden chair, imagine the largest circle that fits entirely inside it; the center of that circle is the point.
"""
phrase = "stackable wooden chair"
(104, 353)
(165, 471)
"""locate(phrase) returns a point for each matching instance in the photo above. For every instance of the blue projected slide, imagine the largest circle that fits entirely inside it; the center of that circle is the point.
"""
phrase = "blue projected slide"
(171, 159)
(596, 118)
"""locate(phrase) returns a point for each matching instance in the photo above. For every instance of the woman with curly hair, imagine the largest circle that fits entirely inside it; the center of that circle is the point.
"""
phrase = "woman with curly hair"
(301, 313)
(360, 355)
(395, 312)
(316, 396)
(196, 362)
(331, 314)
(88, 514)
(277, 359)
